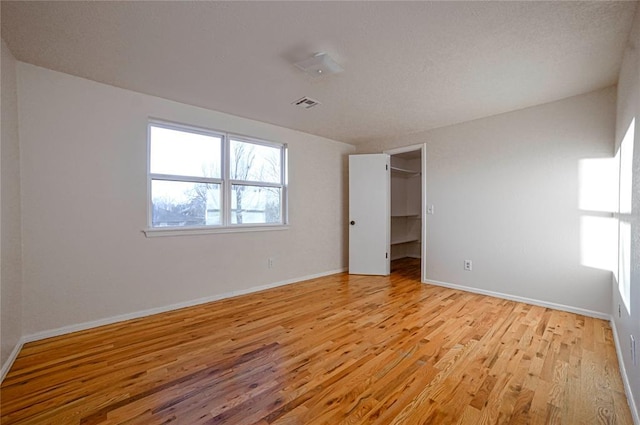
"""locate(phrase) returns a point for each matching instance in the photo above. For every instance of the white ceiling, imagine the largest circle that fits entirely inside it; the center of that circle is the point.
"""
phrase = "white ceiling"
(409, 66)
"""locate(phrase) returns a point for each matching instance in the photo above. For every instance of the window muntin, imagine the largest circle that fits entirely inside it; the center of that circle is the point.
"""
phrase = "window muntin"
(206, 179)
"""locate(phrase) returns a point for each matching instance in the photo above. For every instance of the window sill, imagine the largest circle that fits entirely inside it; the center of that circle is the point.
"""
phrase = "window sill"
(181, 231)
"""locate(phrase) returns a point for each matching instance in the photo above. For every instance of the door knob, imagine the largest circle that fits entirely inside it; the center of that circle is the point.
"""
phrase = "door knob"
(353, 222)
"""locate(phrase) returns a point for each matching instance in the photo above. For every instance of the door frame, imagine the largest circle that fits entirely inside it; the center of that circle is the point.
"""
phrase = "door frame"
(423, 243)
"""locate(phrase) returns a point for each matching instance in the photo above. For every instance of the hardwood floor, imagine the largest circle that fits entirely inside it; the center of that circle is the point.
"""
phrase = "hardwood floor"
(335, 350)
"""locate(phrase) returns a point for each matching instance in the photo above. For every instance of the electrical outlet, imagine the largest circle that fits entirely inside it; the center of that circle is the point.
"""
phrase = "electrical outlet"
(634, 358)
(270, 263)
(468, 265)
(431, 209)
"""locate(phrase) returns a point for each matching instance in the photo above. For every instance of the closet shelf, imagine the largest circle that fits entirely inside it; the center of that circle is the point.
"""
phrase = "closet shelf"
(406, 240)
(404, 172)
(408, 216)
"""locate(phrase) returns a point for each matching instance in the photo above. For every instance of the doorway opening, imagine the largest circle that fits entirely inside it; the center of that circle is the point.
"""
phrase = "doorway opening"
(408, 183)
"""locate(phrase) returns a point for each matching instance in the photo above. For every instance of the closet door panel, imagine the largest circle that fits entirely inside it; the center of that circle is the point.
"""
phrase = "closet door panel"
(369, 214)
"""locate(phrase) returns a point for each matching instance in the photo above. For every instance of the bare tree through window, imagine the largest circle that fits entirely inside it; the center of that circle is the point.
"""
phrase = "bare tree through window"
(243, 155)
(261, 164)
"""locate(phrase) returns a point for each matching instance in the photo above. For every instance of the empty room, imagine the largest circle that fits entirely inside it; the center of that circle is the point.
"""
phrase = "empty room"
(318, 212)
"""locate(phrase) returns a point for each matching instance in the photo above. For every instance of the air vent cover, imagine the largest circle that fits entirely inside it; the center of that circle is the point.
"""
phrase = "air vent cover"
(306, 102)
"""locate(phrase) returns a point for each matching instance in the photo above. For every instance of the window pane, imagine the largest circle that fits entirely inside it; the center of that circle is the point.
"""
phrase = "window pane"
(255, 204)
(255, 162)
(626, 168)
(624, 264)
(185, 204)
(184, 153)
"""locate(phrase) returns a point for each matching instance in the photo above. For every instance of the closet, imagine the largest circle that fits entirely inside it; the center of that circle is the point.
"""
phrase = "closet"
(386, 210)
(406, 205)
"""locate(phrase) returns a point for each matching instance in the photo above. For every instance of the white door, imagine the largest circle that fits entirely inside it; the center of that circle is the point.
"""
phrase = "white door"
(369, 214)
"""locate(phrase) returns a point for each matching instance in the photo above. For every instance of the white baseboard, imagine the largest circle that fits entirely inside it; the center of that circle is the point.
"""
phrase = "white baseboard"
(623, 373)
(12, 358)
(570, 309)
(135, 315)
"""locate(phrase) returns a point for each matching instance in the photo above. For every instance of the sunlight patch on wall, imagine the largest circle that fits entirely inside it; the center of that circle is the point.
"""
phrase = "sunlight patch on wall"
(598, 240)
(598, 200)
(598, 182)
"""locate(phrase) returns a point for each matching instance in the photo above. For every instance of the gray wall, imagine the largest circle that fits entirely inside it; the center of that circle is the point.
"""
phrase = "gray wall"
(628, 322)
(10, 229)
(507, 194)
(84, 190)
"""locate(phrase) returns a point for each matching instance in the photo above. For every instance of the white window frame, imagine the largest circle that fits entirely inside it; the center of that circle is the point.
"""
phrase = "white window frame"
(225, 182)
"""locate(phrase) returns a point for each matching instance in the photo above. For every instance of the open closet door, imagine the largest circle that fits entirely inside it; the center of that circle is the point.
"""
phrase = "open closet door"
(369, 212)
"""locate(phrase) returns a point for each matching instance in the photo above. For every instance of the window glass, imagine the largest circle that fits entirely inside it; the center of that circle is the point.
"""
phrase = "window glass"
(177, 203)
(184, 153)
(253, 162)
(625, 212)
(255, 204)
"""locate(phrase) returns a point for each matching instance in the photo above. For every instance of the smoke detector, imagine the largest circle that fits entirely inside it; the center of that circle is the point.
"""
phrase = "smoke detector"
(306, 102)
(319, 65)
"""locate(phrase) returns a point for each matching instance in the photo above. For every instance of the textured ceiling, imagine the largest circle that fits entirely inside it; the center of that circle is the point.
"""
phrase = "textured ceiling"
(409, 66)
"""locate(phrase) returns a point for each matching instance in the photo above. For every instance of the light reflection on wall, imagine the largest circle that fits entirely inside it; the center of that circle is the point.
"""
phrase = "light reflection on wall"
(598, 185)
(598, 239)
(598, 200)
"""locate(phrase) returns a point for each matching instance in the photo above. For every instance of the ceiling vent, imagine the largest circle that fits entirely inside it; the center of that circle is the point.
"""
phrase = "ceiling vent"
(306, 103)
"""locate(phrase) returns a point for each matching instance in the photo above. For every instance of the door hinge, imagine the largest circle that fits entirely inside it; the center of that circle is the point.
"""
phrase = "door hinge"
(386, 255)
(386, 167)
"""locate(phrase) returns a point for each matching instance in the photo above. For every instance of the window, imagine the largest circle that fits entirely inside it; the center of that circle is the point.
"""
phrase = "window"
(207, 179)
(625, 155)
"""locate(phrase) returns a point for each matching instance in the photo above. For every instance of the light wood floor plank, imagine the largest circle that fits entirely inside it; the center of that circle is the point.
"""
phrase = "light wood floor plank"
(335, 350)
